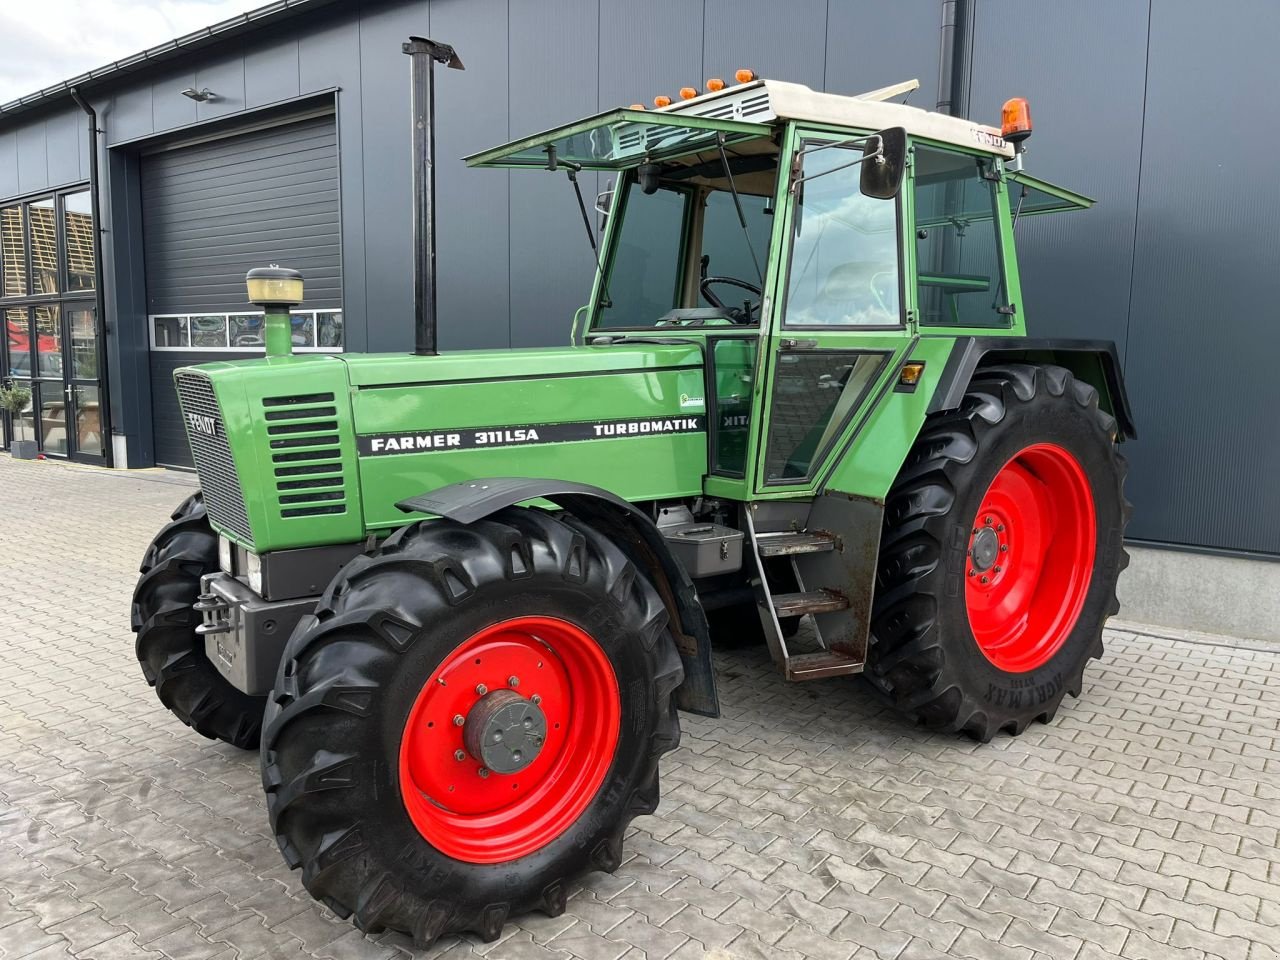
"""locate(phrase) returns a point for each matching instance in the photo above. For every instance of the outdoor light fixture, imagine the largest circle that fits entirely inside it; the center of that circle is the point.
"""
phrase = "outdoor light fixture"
(201, 95)
(275, 289)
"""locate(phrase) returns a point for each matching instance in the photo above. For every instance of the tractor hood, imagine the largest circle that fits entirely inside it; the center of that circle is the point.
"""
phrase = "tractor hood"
(304, 450)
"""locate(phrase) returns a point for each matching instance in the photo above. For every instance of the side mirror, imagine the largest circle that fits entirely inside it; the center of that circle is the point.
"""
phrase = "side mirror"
(885, 161)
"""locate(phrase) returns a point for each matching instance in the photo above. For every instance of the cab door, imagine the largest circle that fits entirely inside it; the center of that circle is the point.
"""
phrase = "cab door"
(840, 320)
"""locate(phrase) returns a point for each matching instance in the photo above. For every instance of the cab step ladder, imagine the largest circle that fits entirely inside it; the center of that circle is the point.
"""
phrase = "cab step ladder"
(794, 545)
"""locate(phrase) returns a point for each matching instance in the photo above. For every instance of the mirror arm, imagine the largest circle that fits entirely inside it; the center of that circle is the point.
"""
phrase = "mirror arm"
(878, 157)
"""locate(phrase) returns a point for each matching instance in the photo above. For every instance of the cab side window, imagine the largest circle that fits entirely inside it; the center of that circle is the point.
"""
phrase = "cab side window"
(958, 253)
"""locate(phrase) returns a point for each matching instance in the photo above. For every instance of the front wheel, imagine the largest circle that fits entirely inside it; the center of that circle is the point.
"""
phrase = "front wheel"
(469, 722)
(1000, 554)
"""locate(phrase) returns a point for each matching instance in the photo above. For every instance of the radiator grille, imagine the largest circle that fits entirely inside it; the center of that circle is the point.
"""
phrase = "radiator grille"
(306, 459)
(207, 435)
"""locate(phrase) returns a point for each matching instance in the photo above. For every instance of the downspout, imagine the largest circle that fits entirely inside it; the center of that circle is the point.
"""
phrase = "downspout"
(100, 296)
(956, 43)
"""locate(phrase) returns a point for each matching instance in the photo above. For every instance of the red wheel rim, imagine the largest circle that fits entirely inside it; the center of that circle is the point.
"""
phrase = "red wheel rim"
(492, 817)
(1030, 558)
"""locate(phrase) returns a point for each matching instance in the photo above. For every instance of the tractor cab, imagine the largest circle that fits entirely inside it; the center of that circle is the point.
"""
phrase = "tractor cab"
(825, 234)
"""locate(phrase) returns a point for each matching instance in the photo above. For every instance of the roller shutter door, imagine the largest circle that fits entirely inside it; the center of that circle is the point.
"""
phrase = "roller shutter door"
(210, 212)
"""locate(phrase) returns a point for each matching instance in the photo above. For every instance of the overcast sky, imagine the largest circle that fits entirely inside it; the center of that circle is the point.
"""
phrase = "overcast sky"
(43, 42)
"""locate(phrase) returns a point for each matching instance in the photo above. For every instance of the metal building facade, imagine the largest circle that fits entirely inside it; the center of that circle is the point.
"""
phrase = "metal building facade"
(1175, 263)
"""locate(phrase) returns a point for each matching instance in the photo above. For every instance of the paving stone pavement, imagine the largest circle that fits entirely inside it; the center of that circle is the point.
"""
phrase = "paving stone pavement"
(808, 821)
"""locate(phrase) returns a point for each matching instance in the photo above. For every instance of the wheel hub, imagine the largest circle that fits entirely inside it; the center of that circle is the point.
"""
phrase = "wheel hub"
(505, 731)
(985, 549)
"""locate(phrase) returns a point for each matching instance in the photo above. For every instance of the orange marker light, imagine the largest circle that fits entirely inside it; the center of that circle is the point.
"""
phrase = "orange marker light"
(745, 75)
(1015, 120)
(715, 84)
(637, 106)
(688, 93)
(662, 101)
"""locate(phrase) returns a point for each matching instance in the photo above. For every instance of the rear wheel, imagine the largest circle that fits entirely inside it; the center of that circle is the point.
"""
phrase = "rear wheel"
(1001, 550)
(469, 722)
(168, 647)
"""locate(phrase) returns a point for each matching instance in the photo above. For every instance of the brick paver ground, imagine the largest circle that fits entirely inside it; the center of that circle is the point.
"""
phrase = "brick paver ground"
(807, 821)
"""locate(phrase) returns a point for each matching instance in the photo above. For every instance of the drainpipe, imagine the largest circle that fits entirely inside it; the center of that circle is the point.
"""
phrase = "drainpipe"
(953, 57)
(100, 296)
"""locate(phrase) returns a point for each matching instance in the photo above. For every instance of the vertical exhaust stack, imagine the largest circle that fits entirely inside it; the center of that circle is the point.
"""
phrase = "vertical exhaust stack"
(426, 54)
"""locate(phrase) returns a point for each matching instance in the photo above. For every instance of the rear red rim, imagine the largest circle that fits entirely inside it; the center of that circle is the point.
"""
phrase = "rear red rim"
(1030, 558)
(472, 813)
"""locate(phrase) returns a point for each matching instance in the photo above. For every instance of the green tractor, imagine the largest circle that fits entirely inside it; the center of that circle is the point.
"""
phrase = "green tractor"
(456, 600)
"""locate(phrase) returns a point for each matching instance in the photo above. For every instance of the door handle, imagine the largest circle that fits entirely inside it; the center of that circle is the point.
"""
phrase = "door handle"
(790, 344)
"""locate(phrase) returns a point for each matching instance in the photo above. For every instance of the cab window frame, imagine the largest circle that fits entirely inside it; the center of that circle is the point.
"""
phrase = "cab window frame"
(804, 138)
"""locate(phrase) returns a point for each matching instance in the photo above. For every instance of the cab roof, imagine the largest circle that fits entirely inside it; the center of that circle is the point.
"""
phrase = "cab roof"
(624, 137)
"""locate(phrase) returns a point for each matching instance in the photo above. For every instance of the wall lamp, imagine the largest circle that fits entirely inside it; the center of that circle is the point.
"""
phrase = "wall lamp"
(201, 95)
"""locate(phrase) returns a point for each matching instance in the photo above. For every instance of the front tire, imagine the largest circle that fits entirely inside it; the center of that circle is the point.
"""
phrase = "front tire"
(1002, 545)
(529, 627)
(168, 647)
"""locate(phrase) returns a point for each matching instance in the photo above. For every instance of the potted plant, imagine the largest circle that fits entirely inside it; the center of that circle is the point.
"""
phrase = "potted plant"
(14, 399)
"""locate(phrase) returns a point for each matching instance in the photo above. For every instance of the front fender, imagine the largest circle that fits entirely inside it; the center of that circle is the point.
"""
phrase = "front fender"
(631, 530)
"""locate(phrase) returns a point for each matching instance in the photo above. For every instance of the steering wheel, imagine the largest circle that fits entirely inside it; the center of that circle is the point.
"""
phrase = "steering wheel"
(733, 313)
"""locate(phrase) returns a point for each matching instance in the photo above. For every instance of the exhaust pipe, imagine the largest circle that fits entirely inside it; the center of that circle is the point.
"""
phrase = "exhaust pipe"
(425, 55)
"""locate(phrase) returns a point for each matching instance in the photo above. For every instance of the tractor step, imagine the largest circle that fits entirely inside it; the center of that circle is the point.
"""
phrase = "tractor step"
(815, 666)
(811, 601)
(790, 543)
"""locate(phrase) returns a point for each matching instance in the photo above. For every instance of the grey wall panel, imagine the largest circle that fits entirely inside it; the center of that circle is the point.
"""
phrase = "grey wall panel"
(551, 262)
(651, 48)
(214, 210)
(33, 160)
(169, 108)
(329, 56)
(226, 79)
(1205, 288)
(1082, 67)
(872, 45)
(63, 146)
(128, 116)
(384, 228)
(9, 164)
(473, 209)
(271, 74)
(737, 35)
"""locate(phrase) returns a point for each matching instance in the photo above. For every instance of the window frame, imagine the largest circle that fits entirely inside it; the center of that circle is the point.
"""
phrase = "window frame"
(803, 139)
(1013, 323)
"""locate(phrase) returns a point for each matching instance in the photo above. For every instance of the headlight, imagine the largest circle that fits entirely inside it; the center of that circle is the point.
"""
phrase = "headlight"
(253, 569)
(224, 555)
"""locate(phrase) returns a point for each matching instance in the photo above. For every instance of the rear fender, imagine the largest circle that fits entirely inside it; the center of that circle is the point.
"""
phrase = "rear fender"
(631, 530)
(1093, 361)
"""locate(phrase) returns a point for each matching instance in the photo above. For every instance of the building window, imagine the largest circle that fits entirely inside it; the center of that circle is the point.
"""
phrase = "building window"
(77, 228)
(51, 328)
(314, 331)
(13, 252)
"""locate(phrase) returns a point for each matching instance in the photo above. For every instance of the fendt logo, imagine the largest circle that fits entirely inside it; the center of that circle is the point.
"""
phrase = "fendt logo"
(203, 424)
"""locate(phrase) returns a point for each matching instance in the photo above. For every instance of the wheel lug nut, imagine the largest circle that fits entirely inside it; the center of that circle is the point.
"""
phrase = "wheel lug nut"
(996, 568)
(536, 699)
(459, 755)
(459, 720)
(513, 681)
(986, 579)
(1000, 527)
(973, 573)
(484, 772)
(1004, 547)
(987, 521)
(481, 689)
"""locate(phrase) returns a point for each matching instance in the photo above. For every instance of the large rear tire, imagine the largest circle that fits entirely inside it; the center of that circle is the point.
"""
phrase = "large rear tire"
(1002, 544)
(469, 722)
(168, 647)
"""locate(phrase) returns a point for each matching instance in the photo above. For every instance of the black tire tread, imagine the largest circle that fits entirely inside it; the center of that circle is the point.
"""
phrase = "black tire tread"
(167, 646)
(907, 658)
(367, 602)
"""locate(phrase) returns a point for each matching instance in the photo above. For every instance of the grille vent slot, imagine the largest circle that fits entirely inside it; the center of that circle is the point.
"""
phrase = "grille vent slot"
(223, 496)
(303, 436)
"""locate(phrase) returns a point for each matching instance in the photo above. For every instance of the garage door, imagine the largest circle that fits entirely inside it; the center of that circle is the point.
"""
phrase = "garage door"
(210, 212)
